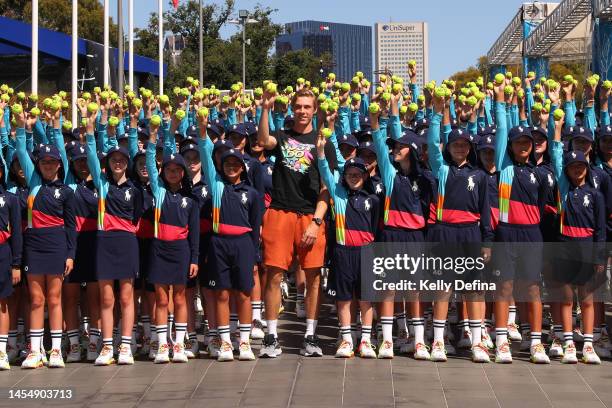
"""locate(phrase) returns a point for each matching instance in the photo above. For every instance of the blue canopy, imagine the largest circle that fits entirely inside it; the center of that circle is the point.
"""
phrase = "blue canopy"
(16, 39)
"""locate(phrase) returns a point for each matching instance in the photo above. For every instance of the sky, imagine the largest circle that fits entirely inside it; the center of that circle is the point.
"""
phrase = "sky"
(459, 31)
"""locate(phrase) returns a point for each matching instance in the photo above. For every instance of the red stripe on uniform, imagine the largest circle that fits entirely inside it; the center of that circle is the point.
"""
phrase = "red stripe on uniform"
(267, 199)
(205, 226)
(523, 214)
(459, 216)
(114, 223)
(494, 217)
(86, 224)
(550, 209)
(577, 232)
(432, 214)
(356, 238)
(226, 229)
(42, 220)
(4, 236)
(145, 229)
(403, 219)
(167, 232)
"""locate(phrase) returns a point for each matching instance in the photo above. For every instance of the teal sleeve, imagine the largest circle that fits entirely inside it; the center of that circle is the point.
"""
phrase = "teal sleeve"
(93, 162)
(152, 169)
(472, 127)
(414, 90)
(446, 129)
(589, 118)
(343, 116)
(604, 118)
(383, 123)
(40, 134)
(395, 127)
(22, 155)
(168, 138)
(4, 139)
(271, 122)
(524, 123)
(387, 170)
(279, 120)
(132, 142)
(487, 109)
(58, 141)
(183, 126)
(433, 144)
(102, 136)
(528, 103)
(355, 127)
(365, 104)
(453, 114)
(556, 158)
(514, 115)
(501, 135)
(570, 115)
(339, 158)
(420, 115)
(208, 166)
(327, 176)
(257, 114)
(550, 126)
(214, 113)
(30, 141)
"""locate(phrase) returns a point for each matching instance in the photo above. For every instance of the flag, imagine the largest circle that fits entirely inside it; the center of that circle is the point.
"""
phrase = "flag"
(175, 3)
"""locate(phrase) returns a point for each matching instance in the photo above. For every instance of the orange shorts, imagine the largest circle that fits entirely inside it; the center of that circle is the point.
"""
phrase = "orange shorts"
(281, 236)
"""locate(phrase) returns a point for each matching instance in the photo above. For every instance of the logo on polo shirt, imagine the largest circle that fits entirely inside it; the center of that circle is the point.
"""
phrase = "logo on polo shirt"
(471, 183)
(204, 192)
(57, 194)
(532, 178)
(2, 201)
(243, 198)
(550, 180)
(586, 201)
(184, 202)
(128, 195)
(415, 186)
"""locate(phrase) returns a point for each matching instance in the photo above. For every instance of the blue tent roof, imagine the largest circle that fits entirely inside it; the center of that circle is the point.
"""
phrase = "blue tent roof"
(16, 39)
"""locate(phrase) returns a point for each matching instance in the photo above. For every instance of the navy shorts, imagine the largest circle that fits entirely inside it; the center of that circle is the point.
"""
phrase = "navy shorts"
(457, 241)
(144, 251)
(389, 234)
(230, 262)
(517, 253)
(575, 263)
(6, 276)
(44, 251)
(344, 281)
(169, 262)
(203, 259)
(117, 255)
(85, 259)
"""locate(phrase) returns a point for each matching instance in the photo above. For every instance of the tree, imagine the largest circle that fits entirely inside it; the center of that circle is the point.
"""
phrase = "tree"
(57, 15)
(296, 64)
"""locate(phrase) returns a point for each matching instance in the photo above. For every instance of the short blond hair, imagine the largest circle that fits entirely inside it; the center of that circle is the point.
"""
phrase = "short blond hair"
(304, 93)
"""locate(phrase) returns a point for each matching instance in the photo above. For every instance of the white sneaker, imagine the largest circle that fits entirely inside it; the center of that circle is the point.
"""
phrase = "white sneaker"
(74, 354)
(513, 333)
(486, 339)
(556, 349)
(385, 350)
(366, 350)
(421, 352)
(438, 351)
(163, 354)
(450, 349)
(538, 354)
(345, 350)
(4, 362)
(503, 355)
(270, 347)
(601, 349)
(125, 355)
(192, 348)
(300, 309)
(154, 346)
(178, 354)
(569, 354)
(465, 342)
(589, 356)
(213, 347)
(257, 332)
(480, 354)
(33, 360)
(226, 352)
(43, 354)
(55, 359)
(106, 357)
(245, 352)
(408, 347)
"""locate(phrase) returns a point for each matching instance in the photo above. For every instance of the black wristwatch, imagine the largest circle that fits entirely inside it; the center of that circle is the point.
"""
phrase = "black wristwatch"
(317, 221)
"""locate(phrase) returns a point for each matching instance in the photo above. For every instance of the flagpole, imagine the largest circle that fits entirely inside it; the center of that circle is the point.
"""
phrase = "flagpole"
(131, 43)
(75, 61)
(161, 45)
(34, 73)
(106, 40)
(120, 55)
(201, 47)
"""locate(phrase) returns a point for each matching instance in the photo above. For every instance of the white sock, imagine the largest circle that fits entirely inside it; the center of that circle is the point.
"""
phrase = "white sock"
(438, 327)
(154, 333)
(245, 332)
(162, 333)
(410, 327)
(568, 338)
(345, 332)
(181, 329)
(536, 338)
(56, 339)
(311, 326)
(476, 330)
(85, 323)
(256, 309)
(224, 333)
(94, 335)
(272, 327)
(366, 333)
(419, 330)
(501, 336)
(3, 341)
(588, 340)
(387, 327)
(126, 341)
(511, 314)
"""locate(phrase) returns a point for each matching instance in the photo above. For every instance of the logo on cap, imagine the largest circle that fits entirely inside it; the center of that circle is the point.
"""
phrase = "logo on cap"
(47, 149)
(573, 155)
(520, 128)
(488, 139)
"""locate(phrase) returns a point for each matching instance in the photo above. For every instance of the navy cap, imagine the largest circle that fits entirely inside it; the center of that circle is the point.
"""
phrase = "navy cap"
(122, 136)
(454, 123)
(518, 132)
(566, 132)
(540, 130)
(408, 138)
(237, 129)
(140, 152)
(348, 140)
(251, 128)
(48, 151)
(366, 146)
(78, 152)
(188, 140)
(215, 127)
(364, 123)
(233, 153)
(118, 149)
(460, 134)
(575, 156)
(487, 130)
(71, 134)
(356, 162)
(174, 159)
(582, 133)
(486, 141)
(222, 144)
(421, 124)
(192, 131)
(604, 131)
(187, 147)
(143, 132)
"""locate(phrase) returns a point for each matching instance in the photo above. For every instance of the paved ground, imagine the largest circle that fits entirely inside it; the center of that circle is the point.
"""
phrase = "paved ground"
(293, 381)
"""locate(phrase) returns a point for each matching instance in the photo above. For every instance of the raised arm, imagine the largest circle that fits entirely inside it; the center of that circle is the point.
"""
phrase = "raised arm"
(151, 164)
(326, 175)
(387, 170)
(92, 155)
(263, 132)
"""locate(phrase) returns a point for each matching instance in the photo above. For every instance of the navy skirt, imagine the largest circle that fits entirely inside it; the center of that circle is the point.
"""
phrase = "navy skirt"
(45, 251)
(116, 255)
(85, 259)
(169, 262)
(6, 276)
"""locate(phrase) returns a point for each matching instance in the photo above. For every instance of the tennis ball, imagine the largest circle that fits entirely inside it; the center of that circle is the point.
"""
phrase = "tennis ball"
(11, 91)
(333, 106)
(421, 98)
(397, 88)
(337, 85)
(509, 75)
(490, 85)
(521, 93)
(607, 84)
(356, 97)
(374, 108)
(33, 98)
(301, 81)
(462, 98)
(356, 80)
(55, 106)
(185, 92)
(537, 107)
(137, 103)
(5, 98)
(403, 109)
(379, 89)
(92, 107)
(164, 99)
(324, 106)
(21, 96)
(203, 112)
(592, 81)
(104, 95)
(345, 87)
(65, 105)
(383, 78)
(508, 90)
(568, 78)
(516, 81)
(235, 88)
(288, 89)
(35, 111)
(531, 75)
(97, 90)
(596, 76)
(321, 98)
(413, 107)
(131, 95)
(180, 114)
(472, 101)
(190, 80)
(107, 87)
(4, 88)
(499, 79)
(440, 92)
(331, 76)
(176, 90)
(386, 96)
(83, 121)
(47, 103)
(205, 92)
(17, 109)
(62, 94)
(196, 82)
(558, 115)
(226, 99)
(480, 81)
(113, 121)
(327, 132)
(412, 63)
(155, 120)
(86, 96)
(67, 125)
(271, 88)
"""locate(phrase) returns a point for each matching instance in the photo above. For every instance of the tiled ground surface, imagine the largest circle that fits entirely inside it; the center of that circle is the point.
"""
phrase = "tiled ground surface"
(293, 381)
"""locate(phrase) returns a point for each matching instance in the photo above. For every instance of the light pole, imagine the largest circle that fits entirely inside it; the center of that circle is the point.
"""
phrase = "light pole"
(201, 47)
(243, 19)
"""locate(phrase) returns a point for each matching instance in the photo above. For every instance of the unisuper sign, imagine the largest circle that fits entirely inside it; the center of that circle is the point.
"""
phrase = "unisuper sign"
(398, 27)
